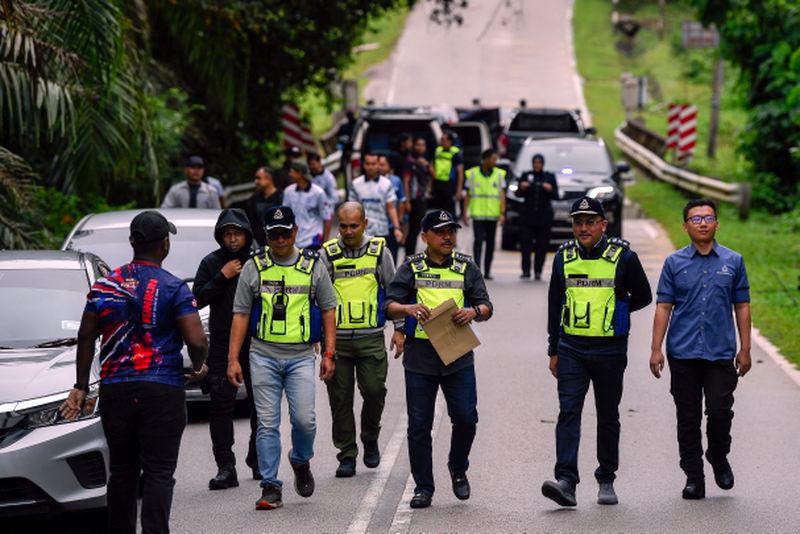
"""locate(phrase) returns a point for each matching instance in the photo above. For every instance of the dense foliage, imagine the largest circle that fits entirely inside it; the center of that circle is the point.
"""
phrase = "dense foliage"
(762, 37)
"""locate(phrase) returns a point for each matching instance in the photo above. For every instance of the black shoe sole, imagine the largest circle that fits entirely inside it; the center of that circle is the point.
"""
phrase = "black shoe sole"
(420, 504)
(372, 464)
(552, 492)
(214, 486)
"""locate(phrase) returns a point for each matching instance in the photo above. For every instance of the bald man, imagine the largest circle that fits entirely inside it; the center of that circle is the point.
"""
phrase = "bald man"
(361, 269)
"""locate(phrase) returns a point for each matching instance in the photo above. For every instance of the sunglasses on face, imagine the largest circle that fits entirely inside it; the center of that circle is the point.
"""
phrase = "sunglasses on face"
(697, 219)
(279, 233)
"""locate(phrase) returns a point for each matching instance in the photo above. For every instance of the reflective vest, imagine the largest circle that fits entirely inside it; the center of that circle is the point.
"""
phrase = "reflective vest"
(355, 281)
(485, 193)
(444, 162)
(434, 285)
(591, 302)
(287, 314)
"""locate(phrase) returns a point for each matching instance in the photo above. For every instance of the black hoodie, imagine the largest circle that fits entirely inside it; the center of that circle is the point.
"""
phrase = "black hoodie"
(211, 288)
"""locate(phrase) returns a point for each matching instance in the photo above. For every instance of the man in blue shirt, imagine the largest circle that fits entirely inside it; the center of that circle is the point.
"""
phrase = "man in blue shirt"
(699, 287)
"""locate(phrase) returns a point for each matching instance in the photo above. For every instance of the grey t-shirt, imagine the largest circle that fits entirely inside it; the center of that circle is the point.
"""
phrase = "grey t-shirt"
(249, 288)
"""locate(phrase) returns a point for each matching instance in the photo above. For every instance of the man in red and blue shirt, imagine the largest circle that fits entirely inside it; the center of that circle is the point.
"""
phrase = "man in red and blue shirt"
(143, 315)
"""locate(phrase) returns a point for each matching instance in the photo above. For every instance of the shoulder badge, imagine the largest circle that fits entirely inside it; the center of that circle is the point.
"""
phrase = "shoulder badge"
(569, 249)
(418, 263)
(375, 247)
(262, 259)
(619, 242)
(460, 262)
(306, 261)
(614, 248)
(567, 244)
(333, 249)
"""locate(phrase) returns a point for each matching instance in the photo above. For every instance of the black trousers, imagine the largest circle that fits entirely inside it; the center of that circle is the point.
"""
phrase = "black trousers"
(443, 196)
(690, 381)
(527, 235)
(418, 208)
(143, 423)
(484, 232)
(221, 411)
(575, 371)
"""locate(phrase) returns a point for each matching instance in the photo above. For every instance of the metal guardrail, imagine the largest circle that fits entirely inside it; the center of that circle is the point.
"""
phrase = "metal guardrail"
(235, 193)
(738, 194)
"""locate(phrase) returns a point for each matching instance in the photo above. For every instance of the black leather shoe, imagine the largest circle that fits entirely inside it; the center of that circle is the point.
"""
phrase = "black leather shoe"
(303, 479)
(561, 491)
(226, 478)
(372, 454)
(525, 276)
(347, 468)
(461, 487)
(421, 499)
(723, 476)
(694, 490)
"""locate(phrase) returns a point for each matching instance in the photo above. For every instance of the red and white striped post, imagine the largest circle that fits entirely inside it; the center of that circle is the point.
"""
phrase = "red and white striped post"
(295, 133)
(673, 125)
(687, 133)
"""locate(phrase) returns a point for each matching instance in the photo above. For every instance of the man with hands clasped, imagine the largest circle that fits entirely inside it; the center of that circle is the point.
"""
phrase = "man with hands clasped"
(423, 282)
(701, 288)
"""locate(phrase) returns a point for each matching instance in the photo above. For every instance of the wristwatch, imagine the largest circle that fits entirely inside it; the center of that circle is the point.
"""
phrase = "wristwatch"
(82, 387)
(477, 311)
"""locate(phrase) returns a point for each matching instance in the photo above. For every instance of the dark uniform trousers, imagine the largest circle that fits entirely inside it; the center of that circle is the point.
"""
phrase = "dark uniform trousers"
(484, 231)
(690, 379)
(575, 371)
(536, 239)
(362, 361)
(143, 423)
(461, 395)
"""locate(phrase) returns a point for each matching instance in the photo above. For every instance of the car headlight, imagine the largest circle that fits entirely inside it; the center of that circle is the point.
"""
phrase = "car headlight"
(601, 193)
(47, 414)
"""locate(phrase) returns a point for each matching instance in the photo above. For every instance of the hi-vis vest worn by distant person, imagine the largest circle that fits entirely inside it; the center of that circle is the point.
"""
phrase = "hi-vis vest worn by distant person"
(485, 192)
(287, 314)
(444, 162)
(435, 285)
(591, 307)
(358, 290)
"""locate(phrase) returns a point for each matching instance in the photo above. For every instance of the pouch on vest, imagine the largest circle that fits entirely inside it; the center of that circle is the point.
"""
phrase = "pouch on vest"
(277, 320)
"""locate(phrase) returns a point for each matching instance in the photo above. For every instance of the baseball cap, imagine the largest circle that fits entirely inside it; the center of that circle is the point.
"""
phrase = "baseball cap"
(299, 166)
(279, 217)
(438, 219)
(587, 206)
(195, 161)
(150, 226)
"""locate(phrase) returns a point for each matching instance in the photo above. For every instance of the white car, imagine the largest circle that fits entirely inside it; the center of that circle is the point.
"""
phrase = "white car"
(106, 234)
(47, 463)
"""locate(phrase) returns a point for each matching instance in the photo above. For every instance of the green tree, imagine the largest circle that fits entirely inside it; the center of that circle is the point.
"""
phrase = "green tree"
(762, 37)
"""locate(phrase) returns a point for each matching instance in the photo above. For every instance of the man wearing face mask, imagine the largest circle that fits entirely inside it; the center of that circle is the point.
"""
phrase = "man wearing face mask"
(214, 286)
(596, 283)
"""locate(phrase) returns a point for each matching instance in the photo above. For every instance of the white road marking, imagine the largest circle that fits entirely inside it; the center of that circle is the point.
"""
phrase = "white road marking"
(402, 516)
(372, 497)
(788, 367)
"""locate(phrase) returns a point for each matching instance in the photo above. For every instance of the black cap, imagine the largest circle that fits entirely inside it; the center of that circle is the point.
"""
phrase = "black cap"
(279, 217)
(293, 152)
(195, 161)
(150, 226)
(438, 219)
(587, 206)
(300, 167)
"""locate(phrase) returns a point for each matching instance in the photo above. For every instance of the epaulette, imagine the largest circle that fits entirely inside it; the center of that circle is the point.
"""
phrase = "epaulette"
(307, 259)
(416, 257)
(310, 253)
(375, 247)
(569, 249)
(567, 244)
(262, 259)
(615, 247)
(619, 242)
(333, 249)
(466, 258)
(417, 262)
(460, 262)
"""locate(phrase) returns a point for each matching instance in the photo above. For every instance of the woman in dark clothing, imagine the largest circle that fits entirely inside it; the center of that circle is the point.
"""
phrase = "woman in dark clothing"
(215, 286)
(538, 188)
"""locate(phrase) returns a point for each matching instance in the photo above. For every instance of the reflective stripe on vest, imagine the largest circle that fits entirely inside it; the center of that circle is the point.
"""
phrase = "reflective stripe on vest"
(590, 298)
(355, 281)
(434, 285)
(285, 300)
(444, 162)
(485, 193)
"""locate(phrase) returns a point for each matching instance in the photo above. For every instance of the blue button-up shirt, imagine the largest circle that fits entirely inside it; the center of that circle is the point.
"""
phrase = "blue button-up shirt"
(703, 290)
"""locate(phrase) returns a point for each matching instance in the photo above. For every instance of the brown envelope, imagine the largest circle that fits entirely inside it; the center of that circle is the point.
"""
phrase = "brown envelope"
(450, 340)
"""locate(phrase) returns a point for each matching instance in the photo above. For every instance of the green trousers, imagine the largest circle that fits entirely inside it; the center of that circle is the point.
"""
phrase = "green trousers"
(359, 361)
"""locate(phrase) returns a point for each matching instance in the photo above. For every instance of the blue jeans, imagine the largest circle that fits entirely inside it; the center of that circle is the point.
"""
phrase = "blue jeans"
(574, 373)
(271, 377)
(462, 398)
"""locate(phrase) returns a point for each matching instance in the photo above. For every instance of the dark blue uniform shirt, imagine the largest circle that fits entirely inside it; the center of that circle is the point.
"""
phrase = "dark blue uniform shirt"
(703, 290)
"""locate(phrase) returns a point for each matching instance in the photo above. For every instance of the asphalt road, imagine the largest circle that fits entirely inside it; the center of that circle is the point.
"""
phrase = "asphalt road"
(524, 52)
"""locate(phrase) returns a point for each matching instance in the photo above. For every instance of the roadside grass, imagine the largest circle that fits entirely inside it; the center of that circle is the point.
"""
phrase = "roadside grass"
(770, 244)
(383, 30)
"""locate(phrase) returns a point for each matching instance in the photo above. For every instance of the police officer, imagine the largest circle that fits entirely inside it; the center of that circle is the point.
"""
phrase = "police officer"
(448, 174)
(595, 284)
(287, 293)
(361, 267)
(486, 187)
(538, 188)
(423, 282)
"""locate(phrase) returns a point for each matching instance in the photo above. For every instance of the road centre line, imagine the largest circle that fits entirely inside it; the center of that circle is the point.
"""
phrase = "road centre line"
(374, 492)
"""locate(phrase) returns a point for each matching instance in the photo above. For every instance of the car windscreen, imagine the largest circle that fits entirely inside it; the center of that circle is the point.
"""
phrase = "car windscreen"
(187, 247)
(544, 123)
(589, 158)
(40, 305)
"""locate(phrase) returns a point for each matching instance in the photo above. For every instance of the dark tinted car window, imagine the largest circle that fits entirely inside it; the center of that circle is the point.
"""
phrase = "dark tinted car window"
(544, 123)
(588, 158)
(382, 136)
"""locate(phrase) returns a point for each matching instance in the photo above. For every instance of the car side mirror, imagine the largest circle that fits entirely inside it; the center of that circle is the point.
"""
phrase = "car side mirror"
(344, 140)
(591, 130)
(623, 167)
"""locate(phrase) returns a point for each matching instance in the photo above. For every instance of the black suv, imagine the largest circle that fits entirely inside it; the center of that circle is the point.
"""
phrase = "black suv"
(540, 123)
